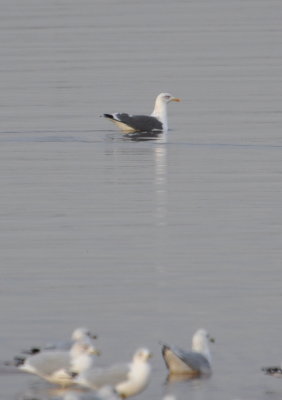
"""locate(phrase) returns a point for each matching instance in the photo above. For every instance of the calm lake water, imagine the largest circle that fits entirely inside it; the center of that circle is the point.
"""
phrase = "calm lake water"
(143, 240)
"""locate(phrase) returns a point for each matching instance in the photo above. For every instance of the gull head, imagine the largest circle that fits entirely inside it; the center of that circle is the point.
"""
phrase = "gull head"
(81, 347)
(160, 109)
(142, 355)
(82, 333)
(166, 98)
(200, 337)
(200, 342)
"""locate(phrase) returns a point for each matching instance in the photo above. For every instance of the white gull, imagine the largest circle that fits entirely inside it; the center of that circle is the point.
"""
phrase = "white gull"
(80, 333)
(126, 379)
(57, 366)
(194, 363)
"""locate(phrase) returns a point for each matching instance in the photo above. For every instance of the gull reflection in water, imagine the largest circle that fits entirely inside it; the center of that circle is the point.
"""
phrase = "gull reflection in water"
(159, 137)
(194, 381)
(161, 185)
(44, 392)
(160, 156)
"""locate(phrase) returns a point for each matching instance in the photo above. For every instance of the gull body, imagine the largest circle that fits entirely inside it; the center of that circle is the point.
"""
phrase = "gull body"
(195, 362)
(57, 366)
(126, 379)
(80, 333)
(156, 122)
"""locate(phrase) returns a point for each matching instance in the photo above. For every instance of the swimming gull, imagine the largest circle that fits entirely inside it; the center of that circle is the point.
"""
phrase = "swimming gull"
(156, 122)
(126, 379)
(196, 362)
(58, 366)
(81, 333)
(273, 371)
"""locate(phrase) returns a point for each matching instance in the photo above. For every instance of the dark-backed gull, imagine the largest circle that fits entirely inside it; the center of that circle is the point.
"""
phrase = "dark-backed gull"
(156, 122)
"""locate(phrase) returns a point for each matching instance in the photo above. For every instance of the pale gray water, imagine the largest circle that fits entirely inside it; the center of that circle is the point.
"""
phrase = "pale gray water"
(143, 241)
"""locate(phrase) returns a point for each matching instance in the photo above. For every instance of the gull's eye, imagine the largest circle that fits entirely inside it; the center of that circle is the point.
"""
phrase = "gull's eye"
(167, 97)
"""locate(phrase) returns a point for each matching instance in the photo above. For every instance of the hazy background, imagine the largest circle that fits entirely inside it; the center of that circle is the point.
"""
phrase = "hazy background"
(143, 241)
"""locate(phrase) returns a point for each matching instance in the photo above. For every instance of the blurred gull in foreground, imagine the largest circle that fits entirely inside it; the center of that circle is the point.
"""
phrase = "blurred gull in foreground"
(190, 363)
(58, 366)
(81, 333)
(273, 371)
(126, 379)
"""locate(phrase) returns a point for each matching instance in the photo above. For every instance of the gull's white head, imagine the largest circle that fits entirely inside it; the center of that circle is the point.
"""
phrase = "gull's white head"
(160, 111)
(82, 333)
(200, 343)
(166, 98)
(142, 355)
(82, 347)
